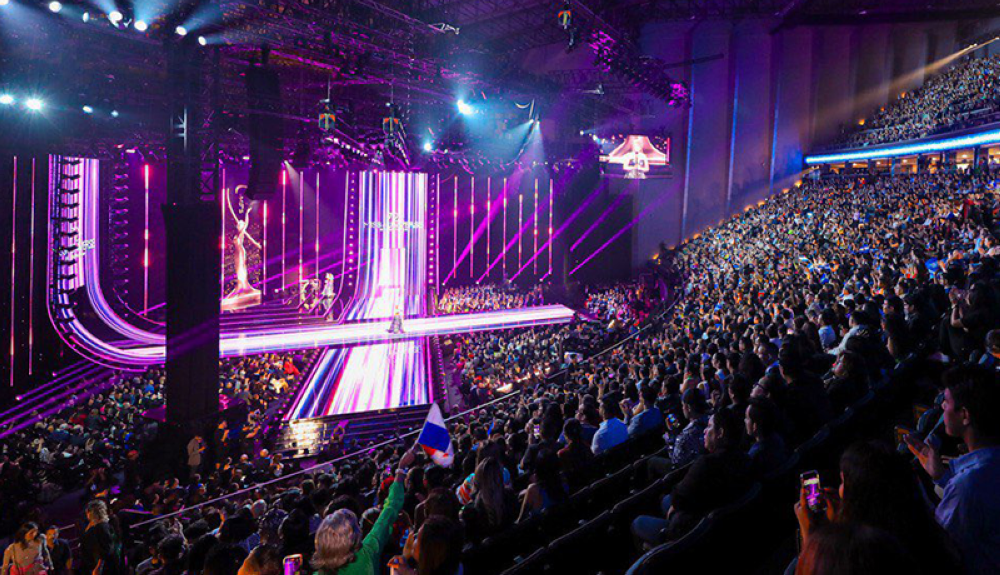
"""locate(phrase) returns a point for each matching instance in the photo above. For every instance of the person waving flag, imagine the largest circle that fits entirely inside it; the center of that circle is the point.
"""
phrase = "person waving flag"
(435, 440)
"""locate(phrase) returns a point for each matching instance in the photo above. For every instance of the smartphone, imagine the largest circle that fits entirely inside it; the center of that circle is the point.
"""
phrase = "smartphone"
(813, 490)
(292, 564)
(672, 422)
(901, 433)
(537, 431)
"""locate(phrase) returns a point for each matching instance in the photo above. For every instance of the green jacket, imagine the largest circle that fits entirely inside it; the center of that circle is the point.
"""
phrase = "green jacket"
(371, 547)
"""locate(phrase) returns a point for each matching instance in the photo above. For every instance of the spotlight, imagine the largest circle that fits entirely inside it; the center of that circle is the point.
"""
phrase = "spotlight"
(6, 99)
(202, 41)
(34, 104)
(85, 17)
(4, 2)
(55, 6)
(115, 17)
(88, 110)
(428, 146)
(141, 26)
(464, 108)
(181, 31)
(114, 113)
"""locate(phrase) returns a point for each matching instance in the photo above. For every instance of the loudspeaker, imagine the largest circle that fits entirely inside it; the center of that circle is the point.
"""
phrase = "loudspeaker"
(265, 131)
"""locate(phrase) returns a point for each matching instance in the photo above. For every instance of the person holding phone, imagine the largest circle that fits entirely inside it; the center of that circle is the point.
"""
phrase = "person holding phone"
(878, 488)
(340, 548)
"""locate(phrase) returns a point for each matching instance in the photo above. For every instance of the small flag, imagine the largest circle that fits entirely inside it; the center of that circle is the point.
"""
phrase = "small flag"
(435, 440)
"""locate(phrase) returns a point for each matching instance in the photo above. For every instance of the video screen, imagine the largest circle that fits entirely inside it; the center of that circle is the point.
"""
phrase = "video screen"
(635, 157)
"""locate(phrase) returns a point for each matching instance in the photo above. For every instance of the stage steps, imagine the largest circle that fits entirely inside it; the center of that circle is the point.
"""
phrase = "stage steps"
(308, 437)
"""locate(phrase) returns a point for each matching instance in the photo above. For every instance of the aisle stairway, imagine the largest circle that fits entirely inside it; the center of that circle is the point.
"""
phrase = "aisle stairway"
(308, 437)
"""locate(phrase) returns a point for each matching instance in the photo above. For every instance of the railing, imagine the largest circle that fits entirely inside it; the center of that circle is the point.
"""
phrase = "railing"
(651, 321)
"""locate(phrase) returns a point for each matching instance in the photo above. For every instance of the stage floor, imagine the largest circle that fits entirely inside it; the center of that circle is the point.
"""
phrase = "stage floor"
(376, 370)
(371, 332)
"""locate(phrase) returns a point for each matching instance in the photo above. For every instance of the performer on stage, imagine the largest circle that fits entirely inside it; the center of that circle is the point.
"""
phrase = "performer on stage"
(396, 325)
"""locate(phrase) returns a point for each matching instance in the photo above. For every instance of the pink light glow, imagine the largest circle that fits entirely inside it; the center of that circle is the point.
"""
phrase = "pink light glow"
(302, 179)
(317, 224)
(472, 223)
(535, 234)
(504, 253)
(454, 234)
(520, 226)
(13, 268)
(489, 214)
(284, 233)
(551, 190)
(263, 249)
(145, 239)
(222, 238)
(31, 276)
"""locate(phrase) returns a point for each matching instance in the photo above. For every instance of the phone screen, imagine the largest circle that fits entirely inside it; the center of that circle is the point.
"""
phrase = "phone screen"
(810, 483)
(292, 564)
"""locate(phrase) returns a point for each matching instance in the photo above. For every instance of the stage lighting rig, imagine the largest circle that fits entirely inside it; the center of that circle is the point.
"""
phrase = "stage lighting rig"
(445, 28)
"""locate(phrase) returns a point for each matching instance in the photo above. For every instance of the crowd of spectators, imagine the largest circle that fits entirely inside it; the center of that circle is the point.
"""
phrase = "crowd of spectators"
(487, 297)
(964, 95)
(790, 312)
(95, 442)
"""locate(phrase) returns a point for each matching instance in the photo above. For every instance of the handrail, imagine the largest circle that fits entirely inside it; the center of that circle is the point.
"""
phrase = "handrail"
(371, 448)
(319, 466)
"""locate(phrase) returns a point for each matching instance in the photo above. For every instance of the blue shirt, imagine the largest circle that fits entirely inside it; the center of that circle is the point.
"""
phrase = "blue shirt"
(970, 508)
(612, 432)
(649, 420)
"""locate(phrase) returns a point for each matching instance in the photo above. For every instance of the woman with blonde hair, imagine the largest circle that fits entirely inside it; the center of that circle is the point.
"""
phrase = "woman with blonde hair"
(100, 547)
(340, 548)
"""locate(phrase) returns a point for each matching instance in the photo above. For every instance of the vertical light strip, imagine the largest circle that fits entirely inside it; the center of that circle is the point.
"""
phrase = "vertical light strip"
(534, 265)
(454, 232)
(437, 235)
(145, 240)
(284, 233)
(223, 198)
(302, 204)
(263, 249)
(520, 226)
(31, 275)
(317, 223)
(551, 193)
(489, 215)
(472, 223)
(13, 268)
(503, 254)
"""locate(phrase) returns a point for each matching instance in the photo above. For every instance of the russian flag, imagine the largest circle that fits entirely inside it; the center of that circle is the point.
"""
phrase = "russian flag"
(435, 440)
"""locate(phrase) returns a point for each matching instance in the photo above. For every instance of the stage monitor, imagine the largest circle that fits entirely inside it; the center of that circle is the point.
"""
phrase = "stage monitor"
(635, 157)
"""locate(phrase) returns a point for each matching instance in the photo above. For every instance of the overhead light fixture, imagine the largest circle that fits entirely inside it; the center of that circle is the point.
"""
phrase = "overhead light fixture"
(141, 26)
(181, 31)
(114, 113)
(55, 6)
(6, 99)
(115, 17)
(4, 2)
(34, 104)
(428, 146)
(85, 17)
(202, 41)
(464, 108)
(88, 110)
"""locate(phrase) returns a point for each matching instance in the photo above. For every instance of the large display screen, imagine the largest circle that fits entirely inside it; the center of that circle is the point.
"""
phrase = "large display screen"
(635, 157)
